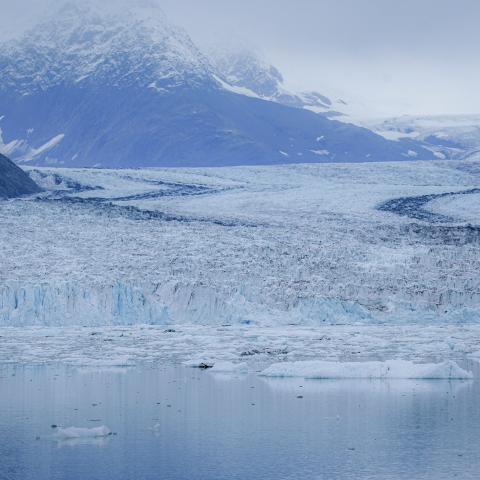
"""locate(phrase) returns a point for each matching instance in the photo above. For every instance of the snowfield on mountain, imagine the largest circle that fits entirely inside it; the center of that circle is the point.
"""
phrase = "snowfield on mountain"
(448, 136)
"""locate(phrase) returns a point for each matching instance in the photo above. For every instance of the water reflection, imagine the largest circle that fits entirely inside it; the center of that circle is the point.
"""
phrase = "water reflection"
(180, 423)
(77, 442)
(401, 387)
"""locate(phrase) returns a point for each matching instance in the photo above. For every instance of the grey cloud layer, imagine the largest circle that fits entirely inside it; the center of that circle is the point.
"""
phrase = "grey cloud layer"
(409, 56)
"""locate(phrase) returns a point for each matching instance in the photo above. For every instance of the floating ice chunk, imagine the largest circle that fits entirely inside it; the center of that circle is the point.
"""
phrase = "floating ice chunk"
(400, 369)
(77, 432)
(197, 363)
(220, 366)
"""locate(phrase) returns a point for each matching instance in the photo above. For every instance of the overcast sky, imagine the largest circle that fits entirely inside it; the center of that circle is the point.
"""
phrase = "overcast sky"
(400, 56)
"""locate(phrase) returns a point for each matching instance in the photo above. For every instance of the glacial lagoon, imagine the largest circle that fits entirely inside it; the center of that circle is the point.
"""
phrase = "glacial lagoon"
(178, 423)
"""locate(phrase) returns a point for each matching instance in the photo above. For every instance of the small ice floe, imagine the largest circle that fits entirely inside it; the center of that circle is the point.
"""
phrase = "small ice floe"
(77, 432)
(202, 364)
(219, 366)
(391, 369)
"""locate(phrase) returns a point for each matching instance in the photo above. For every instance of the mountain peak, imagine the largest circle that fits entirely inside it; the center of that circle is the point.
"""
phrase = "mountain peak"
(79, 43)
(246, 68)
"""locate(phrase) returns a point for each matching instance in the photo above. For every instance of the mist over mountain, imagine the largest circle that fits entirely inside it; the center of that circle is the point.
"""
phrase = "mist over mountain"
(449, 136)
(244, 68)
(95, 87)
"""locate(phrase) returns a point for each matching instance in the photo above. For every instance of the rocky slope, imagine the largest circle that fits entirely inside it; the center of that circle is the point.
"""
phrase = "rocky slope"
(14, 182)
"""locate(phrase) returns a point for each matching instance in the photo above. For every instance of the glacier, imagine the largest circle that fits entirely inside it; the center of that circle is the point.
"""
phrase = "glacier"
(294, 244)
(69, 304)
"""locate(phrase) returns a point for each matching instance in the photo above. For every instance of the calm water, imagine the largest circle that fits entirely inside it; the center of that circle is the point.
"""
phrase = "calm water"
(212, 426)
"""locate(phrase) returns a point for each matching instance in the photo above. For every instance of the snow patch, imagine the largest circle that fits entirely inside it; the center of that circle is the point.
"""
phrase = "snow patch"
(234, 89)
(24, 151)
(411, 154)
(320, 152)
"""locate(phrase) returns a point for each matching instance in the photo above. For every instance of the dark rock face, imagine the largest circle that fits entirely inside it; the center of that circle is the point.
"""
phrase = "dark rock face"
(187, 128)
(14, 182)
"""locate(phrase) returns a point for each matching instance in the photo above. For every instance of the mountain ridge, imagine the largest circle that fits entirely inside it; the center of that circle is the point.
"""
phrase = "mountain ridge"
(244, 68)
(87, 88)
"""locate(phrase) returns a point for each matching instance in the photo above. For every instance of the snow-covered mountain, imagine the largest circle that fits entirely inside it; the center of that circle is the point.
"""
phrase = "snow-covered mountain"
(84, 45)
(247, 72)
(449, 136)
(88, 87)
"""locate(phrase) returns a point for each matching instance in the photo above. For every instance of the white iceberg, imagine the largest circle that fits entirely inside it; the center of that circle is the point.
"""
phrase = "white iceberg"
(219, 366)
(199, 363)
(391, 369)
(77, 432)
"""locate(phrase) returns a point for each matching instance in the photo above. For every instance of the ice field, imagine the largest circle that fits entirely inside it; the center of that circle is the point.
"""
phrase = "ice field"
(220, 255)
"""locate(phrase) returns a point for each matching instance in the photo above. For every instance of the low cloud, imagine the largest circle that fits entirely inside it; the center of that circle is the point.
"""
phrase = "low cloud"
(408, 56)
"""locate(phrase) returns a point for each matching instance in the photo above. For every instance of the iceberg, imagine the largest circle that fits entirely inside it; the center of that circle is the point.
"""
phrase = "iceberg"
(390, 369)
